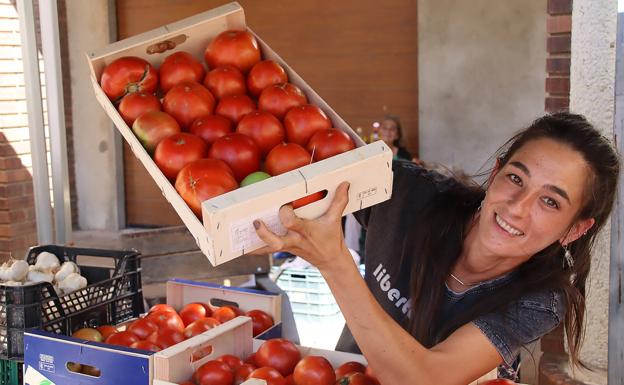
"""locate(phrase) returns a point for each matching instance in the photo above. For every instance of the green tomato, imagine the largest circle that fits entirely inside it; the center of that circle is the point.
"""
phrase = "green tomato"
(254, 177)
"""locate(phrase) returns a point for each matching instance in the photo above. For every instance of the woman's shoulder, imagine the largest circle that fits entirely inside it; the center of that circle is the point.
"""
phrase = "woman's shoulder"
(410, 174)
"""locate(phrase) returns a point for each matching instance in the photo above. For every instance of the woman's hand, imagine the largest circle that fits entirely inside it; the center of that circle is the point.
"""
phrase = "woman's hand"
(319, 241)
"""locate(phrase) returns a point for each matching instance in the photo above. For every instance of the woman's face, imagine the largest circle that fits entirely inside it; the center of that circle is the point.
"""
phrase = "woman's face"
(388, 131)
(533, 199)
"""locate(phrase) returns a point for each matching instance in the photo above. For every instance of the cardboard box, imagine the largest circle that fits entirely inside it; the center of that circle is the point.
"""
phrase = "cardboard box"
(227, 231)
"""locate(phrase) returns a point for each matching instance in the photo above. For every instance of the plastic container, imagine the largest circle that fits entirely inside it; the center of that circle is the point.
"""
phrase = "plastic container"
(113, 296)
(11, 372)
(308, 292)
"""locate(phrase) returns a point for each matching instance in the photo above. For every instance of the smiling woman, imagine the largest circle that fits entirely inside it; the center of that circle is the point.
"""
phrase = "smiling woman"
(462, 276)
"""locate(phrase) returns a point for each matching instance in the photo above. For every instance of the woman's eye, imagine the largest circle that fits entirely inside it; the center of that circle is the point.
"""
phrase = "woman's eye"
(551, 202)
(515, 179)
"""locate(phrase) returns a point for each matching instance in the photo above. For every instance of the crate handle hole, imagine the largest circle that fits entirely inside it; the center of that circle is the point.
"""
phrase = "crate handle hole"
(83, 369)
(166, 45)
(201, 352)
(222, 302)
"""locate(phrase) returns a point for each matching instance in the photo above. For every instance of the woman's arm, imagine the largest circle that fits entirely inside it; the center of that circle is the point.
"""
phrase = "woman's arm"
(394, 355)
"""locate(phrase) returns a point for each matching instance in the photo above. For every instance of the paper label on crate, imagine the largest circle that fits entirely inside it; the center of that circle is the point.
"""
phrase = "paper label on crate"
(243, 235)
(33, 377)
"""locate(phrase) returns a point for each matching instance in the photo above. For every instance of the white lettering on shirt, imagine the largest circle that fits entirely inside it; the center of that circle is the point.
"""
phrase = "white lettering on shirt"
(393, 294)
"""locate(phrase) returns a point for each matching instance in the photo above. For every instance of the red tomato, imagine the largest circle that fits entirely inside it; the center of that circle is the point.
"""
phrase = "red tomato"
(106, 330)
(270, 375)
(178, 68)
(239, 152)
(146, 345)
(251, 360)
(162, 307)
(285, 157)
(302, 122)
(226, 313)
(211, 127)
(166, 320)
(279, 98)
(371, 375)
(225, 81)
(278, 353)
(124, 338)
(187, 102)
(234, 107)
(499, 381)
(264, 74)
(206, 305)
(165, 338)
(154, 126)
(289, 380)
(264, 128)
(200, 326)
(357, 379)
(327, 143)
(306, 200)
(214, 373)
(126, 75)
(192, 312)
(176, 151)
(314, 370)
(231, 360)
(133, 105)
(237, 48)
(261, 321)
(142, 327)
(349, 368)
(242, 373)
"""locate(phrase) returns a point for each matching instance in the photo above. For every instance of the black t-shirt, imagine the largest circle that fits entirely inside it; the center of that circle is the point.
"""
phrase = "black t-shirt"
(389, 266)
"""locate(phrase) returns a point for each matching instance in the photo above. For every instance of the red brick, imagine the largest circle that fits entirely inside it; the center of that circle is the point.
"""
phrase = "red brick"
(558, 86)
(558, 7)
(16, 189)
(558, 66)
(5, 216)
(15, 175)
(10, 163)
(559, 24)
(15, 229)
(557, 104)
(559, 44)
(16, 202)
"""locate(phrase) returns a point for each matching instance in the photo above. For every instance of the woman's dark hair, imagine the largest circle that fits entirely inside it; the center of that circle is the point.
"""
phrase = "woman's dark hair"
(397, 122)
(446, 222)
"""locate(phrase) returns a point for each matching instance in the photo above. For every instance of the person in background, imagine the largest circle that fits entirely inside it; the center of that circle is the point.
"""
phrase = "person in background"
(391, 133)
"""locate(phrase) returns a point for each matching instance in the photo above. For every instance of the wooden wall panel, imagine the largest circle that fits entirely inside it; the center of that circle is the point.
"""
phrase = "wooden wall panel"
(359, 55)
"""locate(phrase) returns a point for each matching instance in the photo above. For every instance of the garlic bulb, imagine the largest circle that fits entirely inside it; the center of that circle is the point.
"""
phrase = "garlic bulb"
(4, 273)
(73, 282)
(18, 270)
(66, 269)
(39, 276)
(47, 262)
(13, 283)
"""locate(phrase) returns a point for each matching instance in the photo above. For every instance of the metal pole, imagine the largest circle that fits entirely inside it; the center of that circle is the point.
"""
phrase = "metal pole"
(50, 44)
(43, 208)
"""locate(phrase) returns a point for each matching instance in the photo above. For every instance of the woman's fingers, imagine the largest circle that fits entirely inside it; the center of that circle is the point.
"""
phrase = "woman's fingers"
(289, 219)
(338, 204)
(274, 242)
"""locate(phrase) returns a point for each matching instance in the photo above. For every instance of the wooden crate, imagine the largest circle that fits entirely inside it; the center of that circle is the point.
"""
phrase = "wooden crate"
(227, 231)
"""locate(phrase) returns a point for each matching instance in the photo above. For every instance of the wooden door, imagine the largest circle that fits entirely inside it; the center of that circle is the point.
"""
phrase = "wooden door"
(359, 55)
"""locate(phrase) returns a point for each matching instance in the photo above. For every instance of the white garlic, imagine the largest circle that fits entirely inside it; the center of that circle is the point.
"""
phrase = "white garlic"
(73, 282)
(18, 270)
(47, 262)
(39, 276)
(13, 283)
(66, 269)
(4, 273)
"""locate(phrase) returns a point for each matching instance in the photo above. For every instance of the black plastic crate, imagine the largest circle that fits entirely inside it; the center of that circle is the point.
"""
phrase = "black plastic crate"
(113, 295)
(11, 372)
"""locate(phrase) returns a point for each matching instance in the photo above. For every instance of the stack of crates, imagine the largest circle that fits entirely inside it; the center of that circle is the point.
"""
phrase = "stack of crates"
(308, 292)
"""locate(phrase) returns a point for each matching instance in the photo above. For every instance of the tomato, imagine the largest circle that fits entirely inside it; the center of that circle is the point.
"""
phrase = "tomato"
(192, 311)
(237, 48)
(278, 353)
(314, 370)
(264, 128)
(231, 360)
(165, 338)
(154, 126)
(162, 307)
(251, 360)
(270, 375)
(279, 98)
(289, 380)
(135, 104)
(146, 345)
(306, 200)
(357, 379)
(285, 157)
(263, 74)
(225, 81)
(187, 102)
(302, 122)
(349, 368)
(211, 127)
(106, 330)
(261, 321)
(254, 177)
(201, 180)
(176, 151)
(126, 75)
(142, 327)
(327, 143)
(226, 313)
(214, 373)
(369, 372)
(90, 371)
(234, 107)
(239, 152)
(124, 338)
(242, 373)
(180, 67)
(166, 320)
(206, 305)
(88, 334)
(499, 381)
(200, 326)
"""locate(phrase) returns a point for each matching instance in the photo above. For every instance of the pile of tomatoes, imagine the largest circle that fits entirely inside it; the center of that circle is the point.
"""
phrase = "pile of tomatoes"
(212, 131)
(163, 327)
(279, 362)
